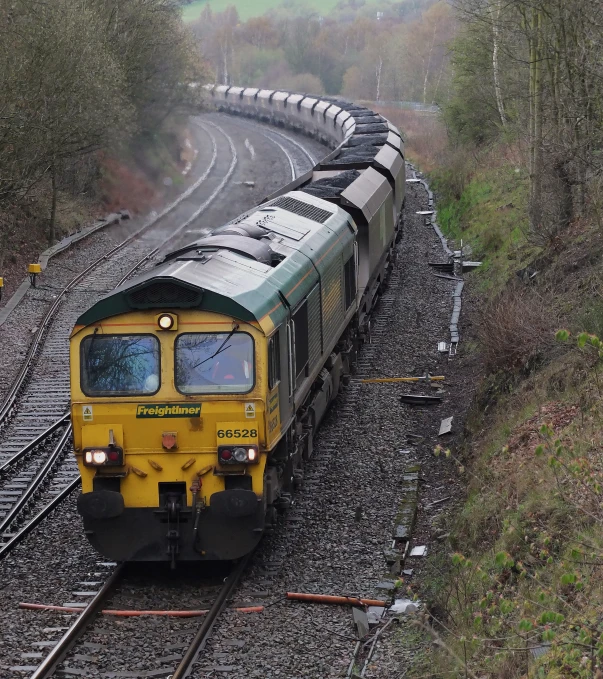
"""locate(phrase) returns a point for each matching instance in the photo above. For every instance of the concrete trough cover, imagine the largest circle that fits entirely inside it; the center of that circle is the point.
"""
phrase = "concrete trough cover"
(442, 266)
(445, 426)
(402, 532)
(361, 621)
(415, 399)
(374, 614)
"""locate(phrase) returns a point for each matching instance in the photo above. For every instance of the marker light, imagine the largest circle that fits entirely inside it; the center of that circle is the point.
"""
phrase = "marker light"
(240, 454)
(166, 321)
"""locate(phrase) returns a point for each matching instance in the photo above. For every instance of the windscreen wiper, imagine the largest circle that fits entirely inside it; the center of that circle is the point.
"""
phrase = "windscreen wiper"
(220, 349)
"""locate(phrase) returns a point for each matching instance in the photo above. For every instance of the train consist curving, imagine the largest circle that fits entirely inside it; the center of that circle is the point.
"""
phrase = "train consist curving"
(198, 386)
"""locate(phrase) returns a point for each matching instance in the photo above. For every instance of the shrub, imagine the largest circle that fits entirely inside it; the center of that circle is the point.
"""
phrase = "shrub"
(516, 328)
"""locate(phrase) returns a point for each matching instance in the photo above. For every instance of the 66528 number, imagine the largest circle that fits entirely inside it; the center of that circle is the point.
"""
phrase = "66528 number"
(237, 433)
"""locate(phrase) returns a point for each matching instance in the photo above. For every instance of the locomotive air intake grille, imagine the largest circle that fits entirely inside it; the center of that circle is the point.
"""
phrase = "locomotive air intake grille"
(316, 214)
(164, 293)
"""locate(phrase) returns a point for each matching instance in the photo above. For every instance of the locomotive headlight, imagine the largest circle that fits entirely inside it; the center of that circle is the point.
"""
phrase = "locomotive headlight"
(252, 454)
(96, 457)
(99, 457)
(240, 454)
(167, 322)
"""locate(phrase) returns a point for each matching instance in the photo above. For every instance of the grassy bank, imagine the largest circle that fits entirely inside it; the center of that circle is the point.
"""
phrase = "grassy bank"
(521, 593)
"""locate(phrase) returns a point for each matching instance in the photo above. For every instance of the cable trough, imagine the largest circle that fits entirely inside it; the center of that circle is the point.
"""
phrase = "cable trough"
(454, 264)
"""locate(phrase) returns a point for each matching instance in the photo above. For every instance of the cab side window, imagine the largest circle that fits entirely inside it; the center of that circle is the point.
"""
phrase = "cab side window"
(274, 361)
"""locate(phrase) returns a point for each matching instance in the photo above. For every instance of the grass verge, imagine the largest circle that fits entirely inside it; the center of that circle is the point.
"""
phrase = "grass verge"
(521, 593)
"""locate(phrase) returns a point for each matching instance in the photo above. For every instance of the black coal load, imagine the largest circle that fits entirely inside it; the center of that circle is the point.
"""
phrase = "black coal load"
(366, 139)
(362, 113)
(357, 154)
(372, 128)
(342, 103)
(363, 120)
(331, 187)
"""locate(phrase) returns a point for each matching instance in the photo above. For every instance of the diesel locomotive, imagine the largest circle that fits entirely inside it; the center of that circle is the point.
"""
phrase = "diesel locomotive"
(197, 387)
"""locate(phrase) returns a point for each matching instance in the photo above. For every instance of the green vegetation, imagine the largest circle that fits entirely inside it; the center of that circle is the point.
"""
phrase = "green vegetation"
(364, 50)
(79, 82)
(489, 215)
(521, 595)
(528, 541)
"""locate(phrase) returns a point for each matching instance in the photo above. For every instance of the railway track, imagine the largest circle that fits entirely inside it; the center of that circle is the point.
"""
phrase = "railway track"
(78, 653)
(299, 158)
(37, 473)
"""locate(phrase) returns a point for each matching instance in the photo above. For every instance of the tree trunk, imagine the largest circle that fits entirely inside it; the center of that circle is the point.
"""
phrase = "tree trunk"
(428, 67)
(536, 120)
(566, 199)
(495, 66)
(53, 206)
(378, 73)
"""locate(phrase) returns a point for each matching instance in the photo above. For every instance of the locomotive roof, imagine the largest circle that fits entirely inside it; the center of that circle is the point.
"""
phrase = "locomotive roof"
(251, 269)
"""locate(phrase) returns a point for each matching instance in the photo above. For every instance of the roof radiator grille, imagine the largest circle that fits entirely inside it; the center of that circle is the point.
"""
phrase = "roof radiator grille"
(163, 294)
(316, 214)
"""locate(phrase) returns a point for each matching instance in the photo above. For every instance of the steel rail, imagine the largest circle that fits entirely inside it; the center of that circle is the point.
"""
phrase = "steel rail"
(301, 147)
(211, 198)
(267, 133)
(32, 444)
(186, 664)
(65, 644)
(19, 380)
(40, 476)
(16, 509)
(197, 212)
(25, 530)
